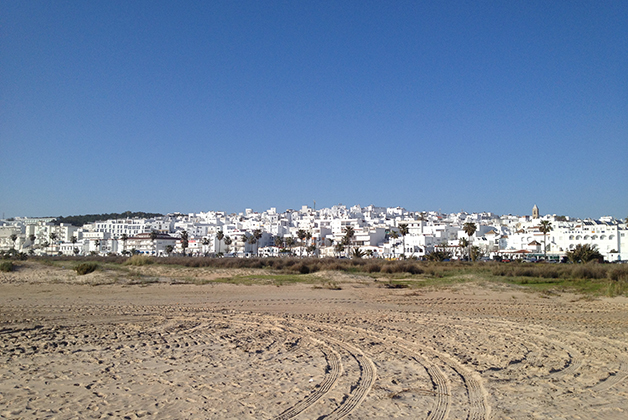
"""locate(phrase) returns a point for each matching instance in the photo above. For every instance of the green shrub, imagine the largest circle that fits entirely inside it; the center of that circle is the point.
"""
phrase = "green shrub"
(6, 266)
(86, 268)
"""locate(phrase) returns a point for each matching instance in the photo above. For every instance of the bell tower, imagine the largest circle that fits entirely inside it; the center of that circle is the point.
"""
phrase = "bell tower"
(535, 212)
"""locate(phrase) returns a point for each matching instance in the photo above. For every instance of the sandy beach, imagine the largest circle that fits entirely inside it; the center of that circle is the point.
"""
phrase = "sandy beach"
(90, 347)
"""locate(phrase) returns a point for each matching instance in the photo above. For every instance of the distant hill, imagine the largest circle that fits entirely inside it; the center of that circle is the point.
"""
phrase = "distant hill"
(90, 218)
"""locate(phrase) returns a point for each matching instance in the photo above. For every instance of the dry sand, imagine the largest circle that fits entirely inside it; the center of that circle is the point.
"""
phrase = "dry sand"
(78, 347)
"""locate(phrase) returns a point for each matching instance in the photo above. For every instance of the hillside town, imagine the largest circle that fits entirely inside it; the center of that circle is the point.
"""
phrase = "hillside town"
(339, 231)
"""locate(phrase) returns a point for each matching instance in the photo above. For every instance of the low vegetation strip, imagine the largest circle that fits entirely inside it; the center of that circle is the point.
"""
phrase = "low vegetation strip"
(608, 279)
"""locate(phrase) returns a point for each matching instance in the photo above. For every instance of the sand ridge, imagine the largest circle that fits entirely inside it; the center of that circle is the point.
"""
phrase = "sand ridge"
(220, 351)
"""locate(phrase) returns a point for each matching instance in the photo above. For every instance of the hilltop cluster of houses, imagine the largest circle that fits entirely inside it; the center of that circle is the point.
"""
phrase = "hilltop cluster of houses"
(377, 232)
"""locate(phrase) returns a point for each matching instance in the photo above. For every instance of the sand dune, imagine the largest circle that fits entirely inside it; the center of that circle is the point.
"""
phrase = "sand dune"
(217, 351)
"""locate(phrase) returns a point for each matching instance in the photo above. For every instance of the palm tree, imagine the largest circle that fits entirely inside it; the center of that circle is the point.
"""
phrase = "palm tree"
(169, 249)
(394, 236)
(339, 248)
(97, 245)
(469, 228)
(257, 234)
(73, 239)
(205, 242)
(13, 238)
(278, 241)
(228, 241)
(252, 240)
(153, 237)
(290, 243)
(463, 242)
(184, 241)
(403, 230)
(584, 254)
(32, 238)
(358, 253)
(220, 236)
(348, 238)
(546, 227)
(53, 237)
(301, 234)
(475, 253)
(124, 238)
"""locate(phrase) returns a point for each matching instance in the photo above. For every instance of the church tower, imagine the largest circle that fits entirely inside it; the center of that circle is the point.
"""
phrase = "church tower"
(535, 212)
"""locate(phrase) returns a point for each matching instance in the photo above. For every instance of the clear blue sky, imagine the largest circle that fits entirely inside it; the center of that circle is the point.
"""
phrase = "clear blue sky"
(110, 106)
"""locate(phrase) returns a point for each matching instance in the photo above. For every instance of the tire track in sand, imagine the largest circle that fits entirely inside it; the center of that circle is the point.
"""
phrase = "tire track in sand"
(334, 370)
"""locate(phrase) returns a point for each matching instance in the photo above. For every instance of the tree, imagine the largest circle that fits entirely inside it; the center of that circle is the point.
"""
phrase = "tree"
(278, 241)
(348, 238)
(546, 227)
(219, 236)
(394, 236)
(97, 245)
(13, 238)
(257, 234)
(439, 255)
(584, 254)
(469, 228)
(252, 240)
(205, 242)
(169, 249)
(124, 238)
(357, 253)
(53, 237)
(74, 240)
(290, 243)
(153, 237)
(339, 248)
(184, 241)
(403, 230)
(464, 243)
(228, 241)
(32, 238)
(301, 234)
(475, 253)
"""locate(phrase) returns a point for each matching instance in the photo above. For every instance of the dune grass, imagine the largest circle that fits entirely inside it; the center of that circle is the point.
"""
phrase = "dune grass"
(590, 279)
